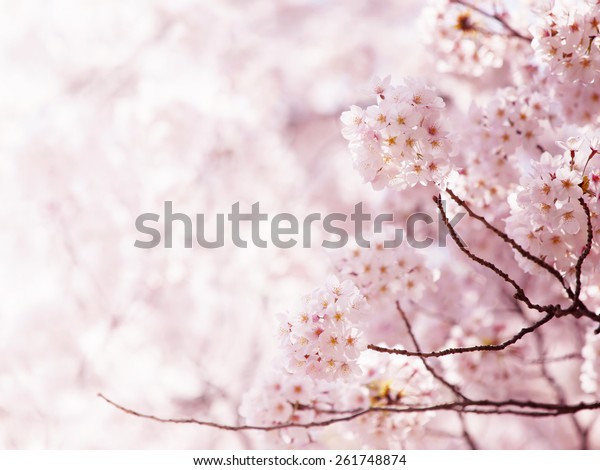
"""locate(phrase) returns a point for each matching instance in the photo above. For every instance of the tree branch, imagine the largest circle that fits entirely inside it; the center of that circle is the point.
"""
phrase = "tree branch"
(522, 251)
(496, 17)
(577, 307)
(586, 250)
(484, 407)
(438, 377)
(520, 294)
(480, 348)
(466, 434)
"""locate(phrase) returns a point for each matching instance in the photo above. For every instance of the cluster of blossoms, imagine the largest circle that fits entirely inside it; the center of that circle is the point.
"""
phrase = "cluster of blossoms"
(463, 40)
(546, 215)
(400, 141)
(579, 104)
(281, 397)
(323, 337)
(384, 276)
(499, 172)
(328, 371)
(568, 40)
(510, 122)
(285, 397)
(391, 381)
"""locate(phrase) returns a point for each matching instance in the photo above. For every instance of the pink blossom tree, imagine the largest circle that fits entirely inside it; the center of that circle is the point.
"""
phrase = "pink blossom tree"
(406, 347)
(489, 342)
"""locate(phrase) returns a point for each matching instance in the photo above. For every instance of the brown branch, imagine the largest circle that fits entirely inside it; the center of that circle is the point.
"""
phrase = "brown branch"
(520, 294)
(435, 375)
(496, 17)
(522, 251)
(586, 250)
(466, 434)
(561, 396)
(577, 307)
(480, 348)
(244, 427)
(555, 407)
(484, 407)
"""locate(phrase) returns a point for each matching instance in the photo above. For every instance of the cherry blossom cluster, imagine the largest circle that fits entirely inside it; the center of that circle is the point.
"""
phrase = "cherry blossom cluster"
(400, 141)
(323, 337)
(463, 40)
(472, 310)
(391, 381)
(567, 39)
(277, 398)
(284, 397)
(202, 121)
(384, 276)
(511, 121)
(546, 215)
(578, 103)
(327, 368)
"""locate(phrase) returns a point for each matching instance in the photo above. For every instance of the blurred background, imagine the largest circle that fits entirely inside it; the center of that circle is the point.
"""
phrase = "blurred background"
(108, 109)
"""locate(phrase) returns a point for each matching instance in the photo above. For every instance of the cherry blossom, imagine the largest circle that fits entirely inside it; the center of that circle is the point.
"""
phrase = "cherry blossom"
(402, 142)
(208, 103)
(567, 40)
(323, 339)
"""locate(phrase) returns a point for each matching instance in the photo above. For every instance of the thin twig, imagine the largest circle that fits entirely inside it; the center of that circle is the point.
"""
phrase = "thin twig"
(561, 396)
(483, 407)
(226, 427)
(577, 307)
(520, 294)
(438, 377)
(479, 348)
(586, 249)
(522, 251)
(495, 17)
(466, 434)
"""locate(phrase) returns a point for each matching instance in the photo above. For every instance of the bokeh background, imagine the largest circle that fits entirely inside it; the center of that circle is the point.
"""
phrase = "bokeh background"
(108, 109)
